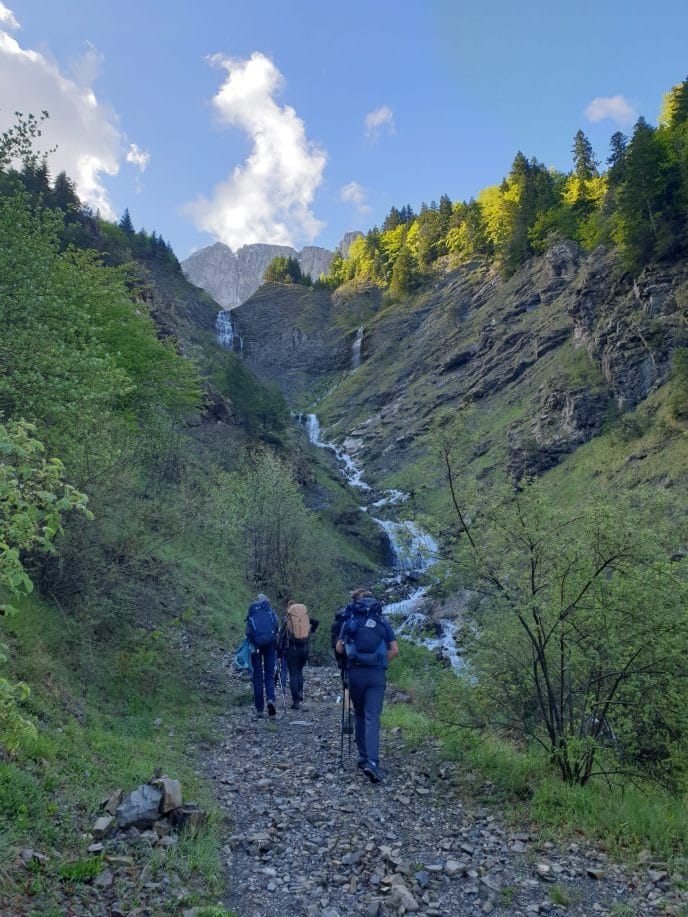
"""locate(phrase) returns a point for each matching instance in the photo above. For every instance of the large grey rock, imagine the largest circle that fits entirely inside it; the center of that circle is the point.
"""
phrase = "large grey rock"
(139, 809)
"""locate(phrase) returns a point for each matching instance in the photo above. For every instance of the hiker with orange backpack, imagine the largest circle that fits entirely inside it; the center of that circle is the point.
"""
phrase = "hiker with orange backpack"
(294, 645)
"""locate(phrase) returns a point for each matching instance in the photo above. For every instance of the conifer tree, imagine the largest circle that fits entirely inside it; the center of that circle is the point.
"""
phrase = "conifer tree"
(125, 224)
(584, 164)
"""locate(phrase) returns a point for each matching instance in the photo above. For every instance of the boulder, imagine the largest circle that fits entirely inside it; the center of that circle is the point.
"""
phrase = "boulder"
(171, 794)
(140, 809)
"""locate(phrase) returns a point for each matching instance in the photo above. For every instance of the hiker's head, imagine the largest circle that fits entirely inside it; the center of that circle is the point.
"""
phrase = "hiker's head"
(261, 598)
(361, 593)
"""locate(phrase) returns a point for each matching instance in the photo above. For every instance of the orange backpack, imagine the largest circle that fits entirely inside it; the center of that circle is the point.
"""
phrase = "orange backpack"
(298, 624)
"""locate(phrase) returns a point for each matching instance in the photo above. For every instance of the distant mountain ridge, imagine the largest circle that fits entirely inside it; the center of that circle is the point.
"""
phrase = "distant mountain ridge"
(232, 277)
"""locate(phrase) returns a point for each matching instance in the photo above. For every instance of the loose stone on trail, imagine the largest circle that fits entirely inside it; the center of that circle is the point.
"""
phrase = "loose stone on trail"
(309, 837)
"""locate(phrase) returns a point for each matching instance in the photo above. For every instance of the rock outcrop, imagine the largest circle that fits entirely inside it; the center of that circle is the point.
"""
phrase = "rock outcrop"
(289, 336)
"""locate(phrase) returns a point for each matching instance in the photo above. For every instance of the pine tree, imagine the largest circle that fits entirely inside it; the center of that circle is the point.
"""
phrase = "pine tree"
(675, 107)
(403, 273)
(63, 195)
(125, 224)
(648, 219)
(584, 164)
(392, 220)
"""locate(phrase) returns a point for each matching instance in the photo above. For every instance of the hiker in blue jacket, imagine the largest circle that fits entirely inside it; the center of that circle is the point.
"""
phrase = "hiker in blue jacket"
(261, 629)
(368, 640)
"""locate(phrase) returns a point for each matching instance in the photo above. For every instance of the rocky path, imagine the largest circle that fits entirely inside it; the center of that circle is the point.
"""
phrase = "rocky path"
(310, 838)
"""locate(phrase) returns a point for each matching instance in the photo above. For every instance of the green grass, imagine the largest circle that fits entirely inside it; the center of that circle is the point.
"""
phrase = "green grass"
(99, 734)
(561, 896)
(623, 818)
(416, 728)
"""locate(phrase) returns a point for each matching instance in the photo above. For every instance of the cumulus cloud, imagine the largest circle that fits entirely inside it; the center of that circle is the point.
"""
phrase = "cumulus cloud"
(268, 197)
(89, 140)
(354, 194)
(616, 108)
(379, 121)
(7, 19)
(138, 157)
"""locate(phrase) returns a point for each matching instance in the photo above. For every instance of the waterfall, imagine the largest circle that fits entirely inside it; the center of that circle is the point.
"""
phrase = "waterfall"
(356, 349)
(227, 331)
(414, 550)
(224, 329)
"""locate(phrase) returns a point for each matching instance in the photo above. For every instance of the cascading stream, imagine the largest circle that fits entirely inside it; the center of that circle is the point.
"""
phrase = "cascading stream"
(414, 551)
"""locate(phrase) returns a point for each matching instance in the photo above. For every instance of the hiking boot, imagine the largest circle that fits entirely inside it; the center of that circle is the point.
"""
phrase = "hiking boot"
(272, 710)
(372, 772)
(295, 705)
(259, 714)
(361, 762)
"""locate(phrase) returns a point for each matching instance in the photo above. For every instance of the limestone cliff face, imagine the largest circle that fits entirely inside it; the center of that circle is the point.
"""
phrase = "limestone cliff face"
(228, 277)
(231, 277)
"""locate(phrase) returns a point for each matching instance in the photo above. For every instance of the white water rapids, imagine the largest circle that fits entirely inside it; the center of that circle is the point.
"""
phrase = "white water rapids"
(414, 551)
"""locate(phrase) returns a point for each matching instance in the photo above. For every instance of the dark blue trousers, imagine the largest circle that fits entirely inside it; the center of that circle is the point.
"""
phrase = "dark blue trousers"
(263, 662)
(367, 690)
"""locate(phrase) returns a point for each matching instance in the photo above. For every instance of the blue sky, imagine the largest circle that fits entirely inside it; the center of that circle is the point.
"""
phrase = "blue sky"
(297, 121)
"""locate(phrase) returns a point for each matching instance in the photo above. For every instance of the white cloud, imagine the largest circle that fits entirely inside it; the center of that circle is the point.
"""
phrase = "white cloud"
(379, 120)
(268, 197)
(615, 108)
(7, 19)
(87, 134)
(138, 157)
(354, 194)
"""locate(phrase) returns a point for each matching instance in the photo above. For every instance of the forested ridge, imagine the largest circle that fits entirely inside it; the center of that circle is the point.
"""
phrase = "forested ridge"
(153, 481)
(637, 205)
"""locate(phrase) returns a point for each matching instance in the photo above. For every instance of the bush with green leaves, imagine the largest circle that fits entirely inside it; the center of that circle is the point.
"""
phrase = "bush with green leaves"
(582, 637)
(33, 499)
(581, 642)
(279, 538)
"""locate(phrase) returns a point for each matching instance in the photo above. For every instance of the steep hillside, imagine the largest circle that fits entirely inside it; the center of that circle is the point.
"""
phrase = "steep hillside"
(548, 356)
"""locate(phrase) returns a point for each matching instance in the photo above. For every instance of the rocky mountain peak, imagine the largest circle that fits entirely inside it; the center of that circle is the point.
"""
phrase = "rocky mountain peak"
(231, 277)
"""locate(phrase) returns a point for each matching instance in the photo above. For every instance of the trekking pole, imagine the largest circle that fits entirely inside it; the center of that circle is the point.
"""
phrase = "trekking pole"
(348, 724)
(284, 686)
(341, 735)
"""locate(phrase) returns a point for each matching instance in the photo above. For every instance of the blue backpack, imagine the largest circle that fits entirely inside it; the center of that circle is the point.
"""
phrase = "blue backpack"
(262, 624)
(365, 635)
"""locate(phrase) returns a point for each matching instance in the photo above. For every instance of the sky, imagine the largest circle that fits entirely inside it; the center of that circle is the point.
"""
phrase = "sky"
(294, 122)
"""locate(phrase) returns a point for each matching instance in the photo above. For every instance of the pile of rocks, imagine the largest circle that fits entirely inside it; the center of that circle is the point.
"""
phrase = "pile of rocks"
(153, 812)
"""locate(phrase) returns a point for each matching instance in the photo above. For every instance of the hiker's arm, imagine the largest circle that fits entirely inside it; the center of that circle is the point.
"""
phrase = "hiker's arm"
(340, 646)
(392, 650)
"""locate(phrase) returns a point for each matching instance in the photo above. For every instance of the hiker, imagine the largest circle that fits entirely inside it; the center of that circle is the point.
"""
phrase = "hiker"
(368, 640)
(294, 645)
(261, 630)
